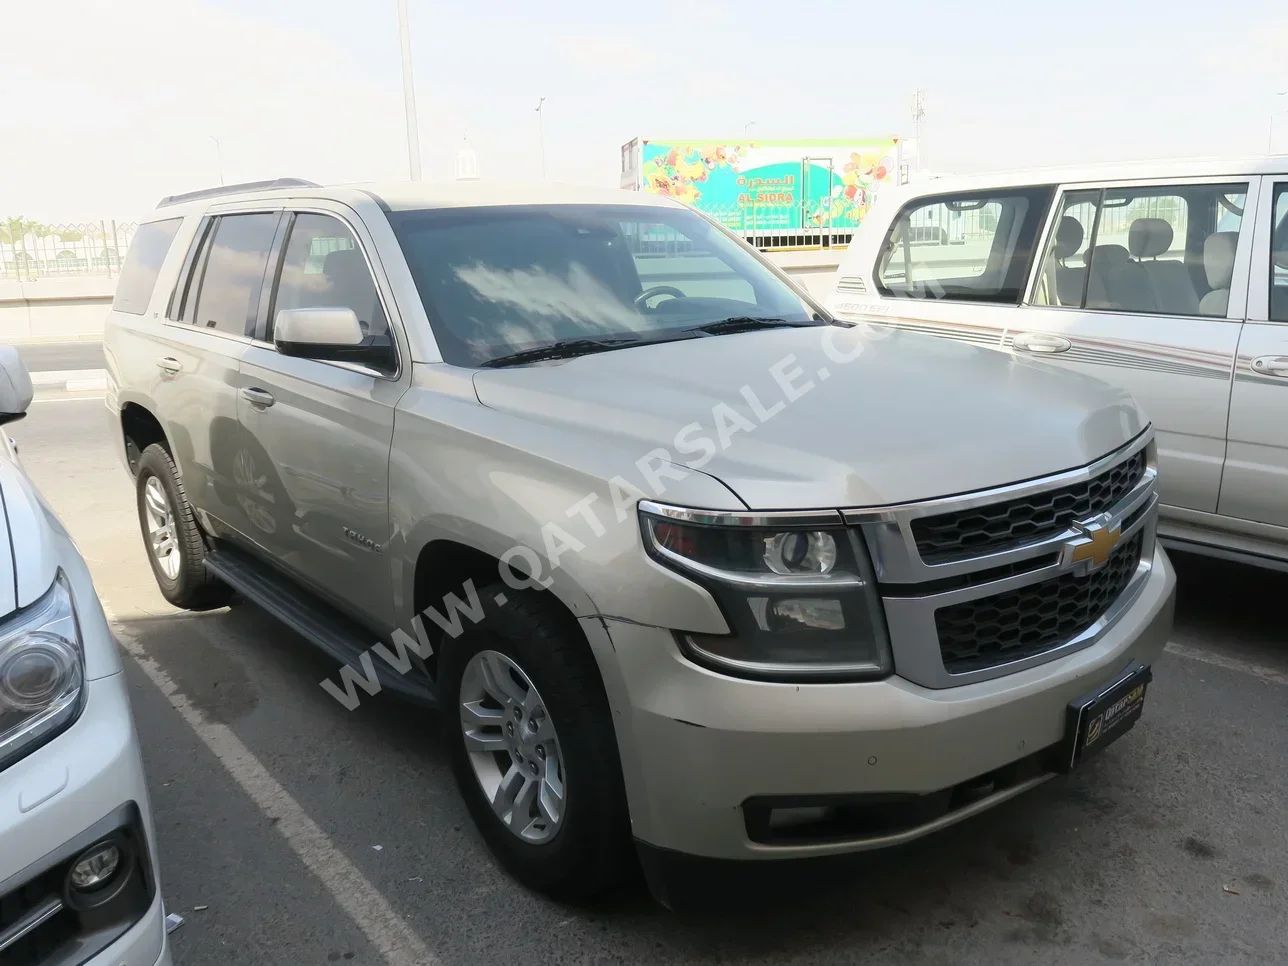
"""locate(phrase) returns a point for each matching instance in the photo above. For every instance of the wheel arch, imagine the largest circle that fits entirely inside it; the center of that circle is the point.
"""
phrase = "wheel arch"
(140, 428)
(442, 566)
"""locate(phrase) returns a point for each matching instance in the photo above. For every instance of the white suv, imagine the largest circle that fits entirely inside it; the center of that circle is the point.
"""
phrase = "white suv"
(1169, 279)
(78, 873)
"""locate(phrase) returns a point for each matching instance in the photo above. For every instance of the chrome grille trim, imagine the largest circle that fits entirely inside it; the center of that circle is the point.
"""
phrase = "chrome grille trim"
(888, 530)
(30, 921)
(910, 616)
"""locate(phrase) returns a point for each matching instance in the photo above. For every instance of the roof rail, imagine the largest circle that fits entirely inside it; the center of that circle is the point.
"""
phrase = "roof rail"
(232, 189)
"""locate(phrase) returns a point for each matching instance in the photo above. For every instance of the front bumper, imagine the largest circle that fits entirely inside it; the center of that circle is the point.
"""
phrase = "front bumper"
(84, 785)
(701, 751)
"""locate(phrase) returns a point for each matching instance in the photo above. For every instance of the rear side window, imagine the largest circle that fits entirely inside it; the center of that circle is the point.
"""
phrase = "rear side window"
(143, 264)
(1157, 250)
(975, 246)
(230, 287)
(1279, 257)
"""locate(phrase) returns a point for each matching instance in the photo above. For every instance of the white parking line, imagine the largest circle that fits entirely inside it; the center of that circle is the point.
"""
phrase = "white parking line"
(56, 399)
(369, 910)
(1267, 674)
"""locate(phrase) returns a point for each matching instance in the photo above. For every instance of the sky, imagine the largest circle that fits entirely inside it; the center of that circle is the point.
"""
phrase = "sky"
(106, 105)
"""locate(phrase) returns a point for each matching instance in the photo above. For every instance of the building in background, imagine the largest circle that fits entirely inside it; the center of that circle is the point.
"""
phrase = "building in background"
(806, 193)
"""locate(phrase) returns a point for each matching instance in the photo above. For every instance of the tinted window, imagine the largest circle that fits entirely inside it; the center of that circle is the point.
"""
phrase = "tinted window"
(324, 268)
(229, 294)
(975, 246)
(499, 280)
(667, 259)
(1279, 257)
(143, 264)
(1158, 250)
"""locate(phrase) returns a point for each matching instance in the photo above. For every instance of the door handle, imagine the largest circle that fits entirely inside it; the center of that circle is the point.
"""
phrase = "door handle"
(1271, 365)
(1041, 342)
(258, 397)
(169, 364)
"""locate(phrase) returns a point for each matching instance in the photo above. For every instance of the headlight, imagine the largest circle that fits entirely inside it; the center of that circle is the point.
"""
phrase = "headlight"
(42, 669)
(800, 597)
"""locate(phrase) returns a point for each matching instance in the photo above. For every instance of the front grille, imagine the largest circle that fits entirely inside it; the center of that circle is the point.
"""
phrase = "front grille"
(44, 941)
(969, 533)
(989, 631)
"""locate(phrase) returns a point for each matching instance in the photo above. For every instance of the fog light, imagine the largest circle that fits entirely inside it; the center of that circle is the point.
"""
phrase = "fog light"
(95, 867)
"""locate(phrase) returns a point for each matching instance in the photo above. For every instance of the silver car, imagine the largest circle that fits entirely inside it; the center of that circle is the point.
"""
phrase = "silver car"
(1168, 278)
(689, 566)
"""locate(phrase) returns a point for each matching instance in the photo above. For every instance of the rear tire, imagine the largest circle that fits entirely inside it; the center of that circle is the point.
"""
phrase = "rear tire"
(171, 536)
(554, 683)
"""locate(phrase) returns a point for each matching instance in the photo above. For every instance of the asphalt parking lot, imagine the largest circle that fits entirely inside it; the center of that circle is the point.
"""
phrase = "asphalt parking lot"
(312, 834)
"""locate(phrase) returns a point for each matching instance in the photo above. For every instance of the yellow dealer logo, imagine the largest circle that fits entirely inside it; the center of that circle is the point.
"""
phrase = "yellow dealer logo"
(1093, 729)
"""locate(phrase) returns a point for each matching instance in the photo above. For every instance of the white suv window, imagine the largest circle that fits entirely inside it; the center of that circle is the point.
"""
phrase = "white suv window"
(1153, 250)
(1279, 257)
(975, 246)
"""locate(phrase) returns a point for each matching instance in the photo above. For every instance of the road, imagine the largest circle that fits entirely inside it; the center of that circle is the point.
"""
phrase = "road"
(60, 356)
(319, 835)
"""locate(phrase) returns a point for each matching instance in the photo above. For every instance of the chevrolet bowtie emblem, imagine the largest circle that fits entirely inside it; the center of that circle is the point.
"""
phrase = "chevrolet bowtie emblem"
(1096, 546)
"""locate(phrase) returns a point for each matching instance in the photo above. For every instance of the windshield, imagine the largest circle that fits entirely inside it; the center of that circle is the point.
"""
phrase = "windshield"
(500, 280)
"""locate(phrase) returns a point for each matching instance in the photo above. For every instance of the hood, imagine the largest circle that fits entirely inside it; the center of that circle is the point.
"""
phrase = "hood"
(28, 548)
(829, 417)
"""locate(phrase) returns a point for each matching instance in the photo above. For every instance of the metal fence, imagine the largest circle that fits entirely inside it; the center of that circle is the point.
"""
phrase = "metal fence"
(770, 226)
(31, 250)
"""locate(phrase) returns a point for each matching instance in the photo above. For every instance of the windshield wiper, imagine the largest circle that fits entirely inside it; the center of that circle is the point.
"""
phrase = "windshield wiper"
(747, 323)
(566, 349)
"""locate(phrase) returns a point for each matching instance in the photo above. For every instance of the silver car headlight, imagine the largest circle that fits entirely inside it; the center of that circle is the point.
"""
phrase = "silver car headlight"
(798, 591)
(42, 672)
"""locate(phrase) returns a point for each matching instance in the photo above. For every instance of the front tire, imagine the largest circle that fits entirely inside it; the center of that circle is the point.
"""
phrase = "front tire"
(171, 537)
(533, 747)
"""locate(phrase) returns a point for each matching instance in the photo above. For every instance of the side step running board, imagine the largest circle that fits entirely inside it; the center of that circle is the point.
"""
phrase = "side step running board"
(314, 619)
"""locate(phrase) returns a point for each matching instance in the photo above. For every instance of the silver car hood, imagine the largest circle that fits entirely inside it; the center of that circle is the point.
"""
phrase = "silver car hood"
(908, 418)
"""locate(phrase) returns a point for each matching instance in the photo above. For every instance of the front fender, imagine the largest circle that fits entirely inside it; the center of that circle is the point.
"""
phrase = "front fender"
(562, 511)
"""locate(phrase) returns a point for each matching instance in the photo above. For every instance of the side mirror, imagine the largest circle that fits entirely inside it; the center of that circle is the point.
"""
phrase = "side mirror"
(15, 385)
(317, 333)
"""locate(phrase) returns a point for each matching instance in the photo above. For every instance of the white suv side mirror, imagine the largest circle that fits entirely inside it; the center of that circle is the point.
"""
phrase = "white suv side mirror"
(15, 385)
(310, 332)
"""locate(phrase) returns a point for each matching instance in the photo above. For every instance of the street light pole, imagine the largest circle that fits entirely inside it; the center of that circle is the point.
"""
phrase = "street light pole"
(541, 136)
(746, 129)
(219, 157)
(409, 94)
(1270, 138)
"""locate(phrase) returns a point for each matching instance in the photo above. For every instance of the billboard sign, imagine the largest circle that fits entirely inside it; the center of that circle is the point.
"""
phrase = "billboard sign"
(760, 185)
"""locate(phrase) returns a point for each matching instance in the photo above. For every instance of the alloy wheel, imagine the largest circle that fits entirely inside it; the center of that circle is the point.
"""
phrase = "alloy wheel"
(512, 746)
(162, 541)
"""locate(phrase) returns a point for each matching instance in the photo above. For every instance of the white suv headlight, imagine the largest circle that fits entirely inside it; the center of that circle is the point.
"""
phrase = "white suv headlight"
(42, 672)
(797, 590)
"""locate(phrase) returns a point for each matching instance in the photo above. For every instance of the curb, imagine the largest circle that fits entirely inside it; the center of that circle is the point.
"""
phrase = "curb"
(71, 380)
